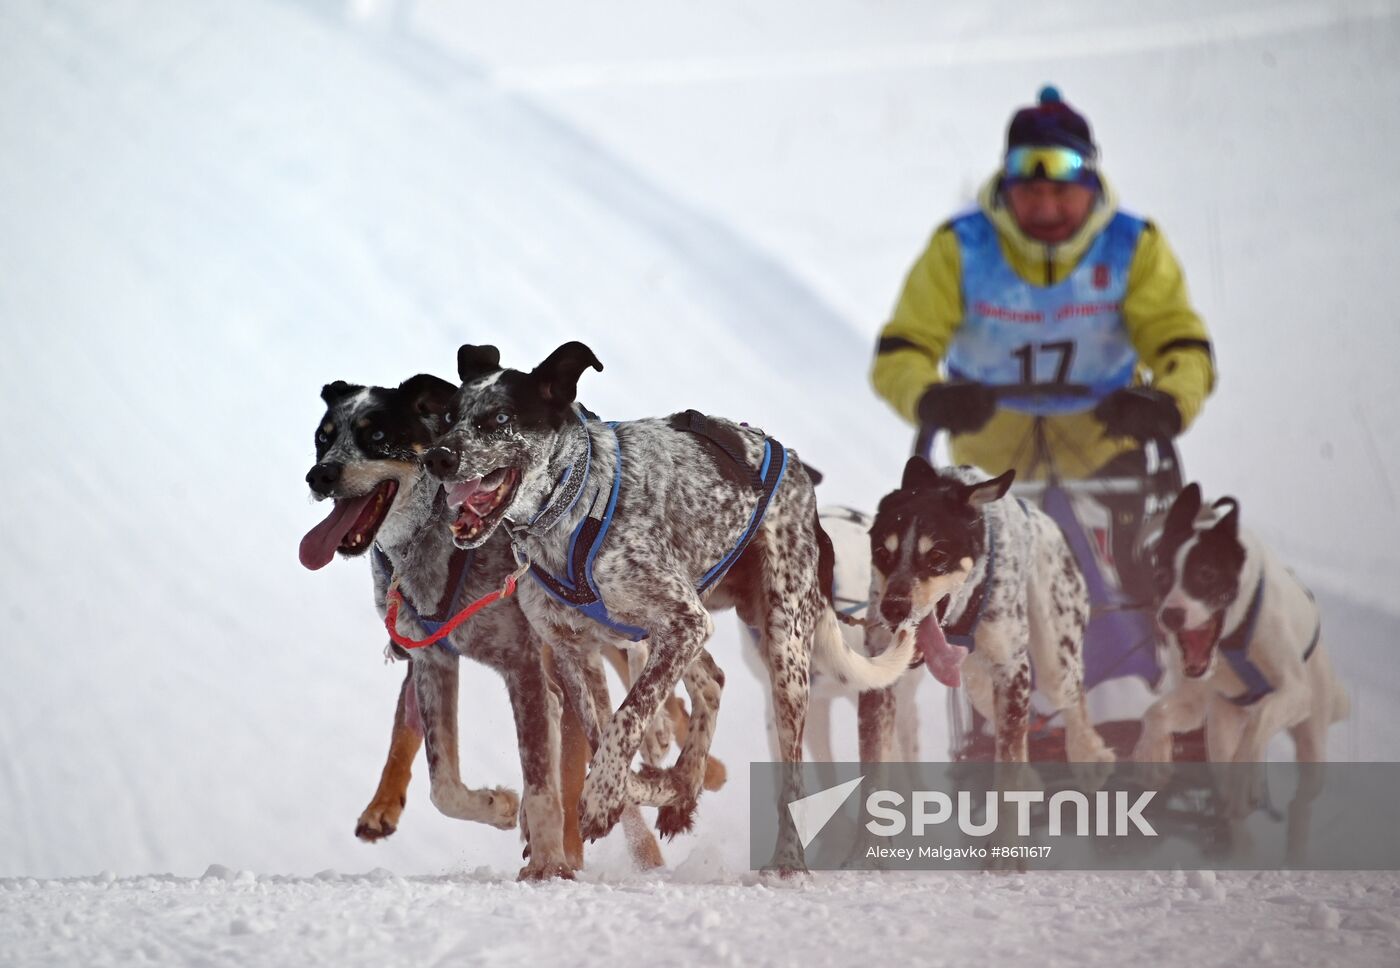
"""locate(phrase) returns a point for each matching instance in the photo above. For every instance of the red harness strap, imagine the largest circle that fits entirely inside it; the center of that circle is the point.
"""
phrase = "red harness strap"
(395, 599)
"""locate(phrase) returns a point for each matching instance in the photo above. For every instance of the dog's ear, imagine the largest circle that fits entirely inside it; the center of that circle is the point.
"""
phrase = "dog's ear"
(428, 394)
(557, 377)
(476, 361)
(1182, 516)
(338, 390)
(918, 472)
(1229, 525)
(984, 492)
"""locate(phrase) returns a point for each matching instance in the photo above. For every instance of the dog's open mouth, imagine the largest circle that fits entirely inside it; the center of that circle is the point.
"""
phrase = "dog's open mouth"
(350, 527)
(481, 502)
(1197, 645)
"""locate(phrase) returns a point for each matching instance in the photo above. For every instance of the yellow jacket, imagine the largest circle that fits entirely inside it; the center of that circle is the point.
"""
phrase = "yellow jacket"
(1172, 343)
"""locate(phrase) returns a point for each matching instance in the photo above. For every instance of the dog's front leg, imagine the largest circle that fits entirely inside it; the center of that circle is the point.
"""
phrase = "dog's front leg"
(656, 741)
(574, 754)
(1285, 707)
(536, 706)
(435, 683)
(875, 709)
(1011, 694)
(875, 717)
(585, 690)
(381, 817)
(906, 719)
(674, 646)
(704, 683)
(585, 687)
(1312, 777)
(1179, 711)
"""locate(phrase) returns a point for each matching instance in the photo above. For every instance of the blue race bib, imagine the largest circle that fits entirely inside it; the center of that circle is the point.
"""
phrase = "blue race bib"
(1070, 332)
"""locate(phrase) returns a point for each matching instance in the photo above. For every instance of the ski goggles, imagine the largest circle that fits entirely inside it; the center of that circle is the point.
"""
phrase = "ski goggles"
(1054, 163)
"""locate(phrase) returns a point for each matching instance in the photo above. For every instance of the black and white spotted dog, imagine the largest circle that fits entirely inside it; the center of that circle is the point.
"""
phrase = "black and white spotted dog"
(1244, 640)
(634, 531)
(949, 549)
(368, 450)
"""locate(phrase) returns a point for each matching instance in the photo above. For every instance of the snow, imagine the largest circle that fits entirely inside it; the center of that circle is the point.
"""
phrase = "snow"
(211, 211)
(1065, 919)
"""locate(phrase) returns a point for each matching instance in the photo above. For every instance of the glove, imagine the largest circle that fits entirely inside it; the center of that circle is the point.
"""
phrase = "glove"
(959, 408)
(1139, 412)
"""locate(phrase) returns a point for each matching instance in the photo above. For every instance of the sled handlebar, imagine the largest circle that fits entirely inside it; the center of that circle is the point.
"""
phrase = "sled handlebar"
(923, 443)
(1011, 391)
(1163, 473)
(1096, 486)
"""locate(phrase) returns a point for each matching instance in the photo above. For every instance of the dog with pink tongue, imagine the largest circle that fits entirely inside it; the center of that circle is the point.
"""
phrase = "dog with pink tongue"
(989, 589)
(369, 446)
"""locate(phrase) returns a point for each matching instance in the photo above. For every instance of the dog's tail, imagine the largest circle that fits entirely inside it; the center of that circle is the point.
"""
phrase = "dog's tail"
(850, 668)
(1341, 703)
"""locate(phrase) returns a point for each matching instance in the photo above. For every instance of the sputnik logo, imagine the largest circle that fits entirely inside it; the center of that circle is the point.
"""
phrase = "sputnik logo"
(812, 813)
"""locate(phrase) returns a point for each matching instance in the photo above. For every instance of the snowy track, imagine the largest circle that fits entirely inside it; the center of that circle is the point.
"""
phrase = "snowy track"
(1051, 920)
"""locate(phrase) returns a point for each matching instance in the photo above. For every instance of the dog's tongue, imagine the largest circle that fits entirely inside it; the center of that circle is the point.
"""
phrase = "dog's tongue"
(1196, 645)
(943, 660)
(318, 547)
(462, 492)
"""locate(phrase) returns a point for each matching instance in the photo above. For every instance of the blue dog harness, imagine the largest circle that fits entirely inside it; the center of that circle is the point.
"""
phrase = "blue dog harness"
(578, 589)
(458, 567)
(1235, 645)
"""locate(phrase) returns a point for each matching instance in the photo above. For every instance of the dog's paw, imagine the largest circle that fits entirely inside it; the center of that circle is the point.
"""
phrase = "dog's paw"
(715, 774)
(1152, 757)
(1153, 748)
(1087, 746)
(378, 821)
(1152, 775)
(369, 831)
(788, 864)
(785, 878)
(1244, 790)
(554, 870)
(502, 806)
(677, 818)
(1092, 773)
(600, 807)
(497, 807)
(598, 822)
